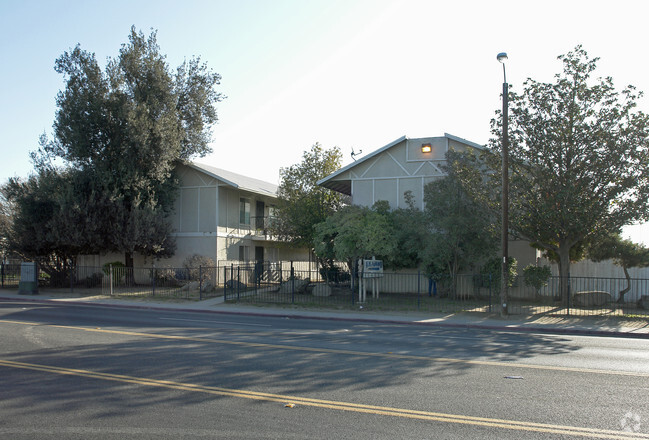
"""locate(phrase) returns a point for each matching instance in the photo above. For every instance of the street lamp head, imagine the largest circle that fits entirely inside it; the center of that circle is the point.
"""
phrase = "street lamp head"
(502, 57)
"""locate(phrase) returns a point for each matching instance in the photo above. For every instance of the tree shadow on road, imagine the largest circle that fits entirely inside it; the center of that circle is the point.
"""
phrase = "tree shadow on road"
(363, 362)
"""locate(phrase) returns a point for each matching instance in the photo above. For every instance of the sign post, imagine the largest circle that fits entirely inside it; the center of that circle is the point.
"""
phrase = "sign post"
(361, 282)
(373, 269)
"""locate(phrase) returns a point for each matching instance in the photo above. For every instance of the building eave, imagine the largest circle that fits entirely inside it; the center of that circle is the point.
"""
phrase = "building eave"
(236, 181)
(345, 186)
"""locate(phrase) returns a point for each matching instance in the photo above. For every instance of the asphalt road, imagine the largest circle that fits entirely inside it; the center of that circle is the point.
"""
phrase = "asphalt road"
(102, 373)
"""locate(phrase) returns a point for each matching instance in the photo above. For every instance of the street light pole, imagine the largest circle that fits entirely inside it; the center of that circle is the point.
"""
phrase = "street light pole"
(504, 276)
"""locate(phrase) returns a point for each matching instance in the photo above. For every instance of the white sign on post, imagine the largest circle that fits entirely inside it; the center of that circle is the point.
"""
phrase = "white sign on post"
(373, 268)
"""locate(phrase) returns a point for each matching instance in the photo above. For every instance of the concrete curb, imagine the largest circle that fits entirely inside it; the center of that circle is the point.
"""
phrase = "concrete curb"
(378, 320)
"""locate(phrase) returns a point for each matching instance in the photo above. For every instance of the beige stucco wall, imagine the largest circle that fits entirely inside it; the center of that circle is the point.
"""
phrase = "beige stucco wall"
(414, 185)
(206, 222)
(458, 146)
(197, 245)
(439, 147)
(229, 209)
(387, 189)
(401, 168)
(201, 207)
(604, 269)
(523, 252)
(363, 192)
(207, 201)
(98, 260)
(188, 208)
(195, 206)
(291, 254)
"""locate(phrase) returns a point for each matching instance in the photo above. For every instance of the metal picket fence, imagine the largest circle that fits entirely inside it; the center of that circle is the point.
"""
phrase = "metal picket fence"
(300, 284)
(9, 275)
(165, 282)
(75, 277)
(393, 291)
(415, 291)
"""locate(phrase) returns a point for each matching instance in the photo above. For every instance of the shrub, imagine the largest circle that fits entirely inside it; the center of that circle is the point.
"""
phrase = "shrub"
(493, 268)
(166, 276)
(118, 270)
(93, 280)
(334, 274)
(537, 276)
(194, 263)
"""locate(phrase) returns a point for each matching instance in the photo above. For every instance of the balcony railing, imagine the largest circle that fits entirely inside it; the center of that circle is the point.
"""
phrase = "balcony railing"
(261, 226)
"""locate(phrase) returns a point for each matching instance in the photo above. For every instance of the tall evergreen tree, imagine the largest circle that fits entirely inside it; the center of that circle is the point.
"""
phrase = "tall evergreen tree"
(124, 129)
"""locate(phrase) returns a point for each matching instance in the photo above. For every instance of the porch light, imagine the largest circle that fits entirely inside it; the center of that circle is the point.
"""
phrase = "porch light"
(426, 148)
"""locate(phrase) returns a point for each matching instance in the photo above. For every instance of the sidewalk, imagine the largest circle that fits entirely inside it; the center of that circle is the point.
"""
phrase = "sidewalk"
(594, 325)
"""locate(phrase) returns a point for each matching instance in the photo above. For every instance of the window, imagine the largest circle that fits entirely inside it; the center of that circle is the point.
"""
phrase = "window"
(244, 211)
(244, 253)
(271, 216)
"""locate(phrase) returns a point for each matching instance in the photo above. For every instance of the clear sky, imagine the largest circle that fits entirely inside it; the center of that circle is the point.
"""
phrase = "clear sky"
(348, 73)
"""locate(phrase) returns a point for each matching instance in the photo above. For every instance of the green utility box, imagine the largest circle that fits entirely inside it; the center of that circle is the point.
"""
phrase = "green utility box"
(28, 279)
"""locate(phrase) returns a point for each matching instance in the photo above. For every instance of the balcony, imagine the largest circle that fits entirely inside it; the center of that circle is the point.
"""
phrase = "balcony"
(261, 227)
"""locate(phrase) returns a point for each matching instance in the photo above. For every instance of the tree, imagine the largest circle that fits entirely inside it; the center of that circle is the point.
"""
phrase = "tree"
(411, 233)
(536, 276)
(301, 202)
(5, 224)
(36, 231)
(624, 253)
(462, 231)
(492, 269)
(579, 159)
(123, 130)
(356, 232)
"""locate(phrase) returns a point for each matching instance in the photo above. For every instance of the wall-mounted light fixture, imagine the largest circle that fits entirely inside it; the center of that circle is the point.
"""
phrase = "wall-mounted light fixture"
(426, 148)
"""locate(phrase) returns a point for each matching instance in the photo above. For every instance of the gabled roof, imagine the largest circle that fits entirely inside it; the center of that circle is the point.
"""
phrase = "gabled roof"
(344, 186)
(326, 182)
(237, 181)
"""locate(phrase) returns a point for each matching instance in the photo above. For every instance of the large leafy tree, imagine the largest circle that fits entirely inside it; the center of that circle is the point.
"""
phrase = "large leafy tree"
(462, 230)
(395, 236)
(301, 202)
(39, 228)
(411, 233)
(123, 129)
(579, 159)
(356, 232)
